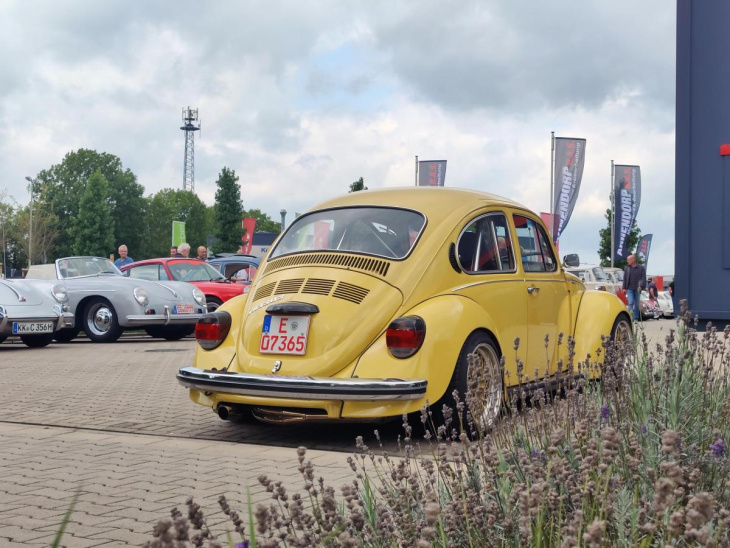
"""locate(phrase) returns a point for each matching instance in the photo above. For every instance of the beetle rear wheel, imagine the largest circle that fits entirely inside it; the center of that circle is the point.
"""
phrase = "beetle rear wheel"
(478, 380)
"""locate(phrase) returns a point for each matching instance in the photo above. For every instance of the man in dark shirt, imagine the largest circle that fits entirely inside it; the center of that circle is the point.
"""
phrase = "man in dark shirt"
(634, 282)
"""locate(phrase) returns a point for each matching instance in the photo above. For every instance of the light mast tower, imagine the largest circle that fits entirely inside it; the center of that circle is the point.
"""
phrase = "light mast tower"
(189, 118)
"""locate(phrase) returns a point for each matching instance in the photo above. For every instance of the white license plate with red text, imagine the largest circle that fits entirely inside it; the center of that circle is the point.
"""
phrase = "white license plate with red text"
(284, 335)
(183, 309)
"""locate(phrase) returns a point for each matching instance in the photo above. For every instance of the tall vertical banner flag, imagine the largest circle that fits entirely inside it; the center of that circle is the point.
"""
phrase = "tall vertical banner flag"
(178, 233)
(642, 250)
(569, 161)
(249, 225)
(431, 172)
(626, 199)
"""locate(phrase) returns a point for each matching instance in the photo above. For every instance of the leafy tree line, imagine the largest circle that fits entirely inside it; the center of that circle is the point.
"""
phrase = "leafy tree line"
(89, 204)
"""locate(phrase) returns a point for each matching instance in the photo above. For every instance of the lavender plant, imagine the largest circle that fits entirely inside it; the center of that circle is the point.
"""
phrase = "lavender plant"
(637, 459)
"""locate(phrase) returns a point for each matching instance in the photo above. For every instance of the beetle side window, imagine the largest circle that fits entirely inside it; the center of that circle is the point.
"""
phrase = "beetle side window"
(485, 245)
(535, 251)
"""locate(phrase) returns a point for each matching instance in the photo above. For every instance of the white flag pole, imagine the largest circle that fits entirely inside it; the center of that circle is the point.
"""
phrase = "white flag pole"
(552, 170)
(613, 212)
(416, 169)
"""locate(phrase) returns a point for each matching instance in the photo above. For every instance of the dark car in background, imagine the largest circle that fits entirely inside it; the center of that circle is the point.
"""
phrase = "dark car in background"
(236, 268)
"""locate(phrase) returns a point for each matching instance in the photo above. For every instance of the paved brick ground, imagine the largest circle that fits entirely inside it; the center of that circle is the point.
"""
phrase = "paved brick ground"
(127, 482)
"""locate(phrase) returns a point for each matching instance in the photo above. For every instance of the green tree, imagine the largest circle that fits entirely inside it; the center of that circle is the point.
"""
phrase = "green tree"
(92, 228)
(264, 223)
(228, 212)
(358, 185)
(169, 205)
(61, 186)
(604, 246)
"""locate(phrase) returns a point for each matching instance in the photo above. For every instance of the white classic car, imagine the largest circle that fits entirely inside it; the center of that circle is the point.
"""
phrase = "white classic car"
(594, 277)
(105, 302)
(33, 311)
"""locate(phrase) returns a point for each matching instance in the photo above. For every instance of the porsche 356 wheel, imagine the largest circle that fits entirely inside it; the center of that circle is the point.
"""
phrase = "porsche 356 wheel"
(479, 381)
(100, 321)
(212, 303)
(37, 341)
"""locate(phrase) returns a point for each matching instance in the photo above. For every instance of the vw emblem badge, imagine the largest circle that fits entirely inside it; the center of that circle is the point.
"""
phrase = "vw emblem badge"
(277, 366)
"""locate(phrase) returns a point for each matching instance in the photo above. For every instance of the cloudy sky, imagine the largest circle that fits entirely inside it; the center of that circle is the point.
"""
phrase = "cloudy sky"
(303, 98)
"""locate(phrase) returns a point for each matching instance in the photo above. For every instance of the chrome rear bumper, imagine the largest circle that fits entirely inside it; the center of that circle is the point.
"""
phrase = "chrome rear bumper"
(301, 388)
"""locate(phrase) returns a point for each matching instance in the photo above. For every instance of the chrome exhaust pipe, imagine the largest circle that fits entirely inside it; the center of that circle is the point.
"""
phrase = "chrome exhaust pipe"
(224, 412)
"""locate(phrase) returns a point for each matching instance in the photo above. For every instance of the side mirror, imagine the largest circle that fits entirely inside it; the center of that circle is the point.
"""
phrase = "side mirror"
(571, 260)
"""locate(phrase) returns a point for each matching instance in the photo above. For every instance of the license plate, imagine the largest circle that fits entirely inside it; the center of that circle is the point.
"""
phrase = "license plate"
(183, 309)
(284, 335)
(31, 328)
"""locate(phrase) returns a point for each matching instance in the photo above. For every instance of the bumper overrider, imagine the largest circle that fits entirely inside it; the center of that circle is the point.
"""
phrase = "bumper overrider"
(60, 321)
(166, 318)
(308, 388)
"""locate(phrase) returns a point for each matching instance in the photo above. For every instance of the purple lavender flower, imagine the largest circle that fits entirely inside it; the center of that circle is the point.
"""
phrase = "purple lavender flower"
(718, 448)
(605, 412)
(644, 429)
(244, 544)
(535, 454)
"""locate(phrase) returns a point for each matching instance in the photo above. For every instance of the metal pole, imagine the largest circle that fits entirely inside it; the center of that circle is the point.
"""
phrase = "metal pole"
(613, 212)
(30, 231)
(416, 169)
(552, 170)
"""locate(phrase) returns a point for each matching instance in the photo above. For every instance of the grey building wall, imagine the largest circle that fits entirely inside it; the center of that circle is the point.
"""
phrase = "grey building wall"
(702, 239)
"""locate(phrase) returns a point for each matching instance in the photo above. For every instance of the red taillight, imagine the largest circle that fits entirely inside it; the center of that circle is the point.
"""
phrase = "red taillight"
(212, 329)
(404, 336)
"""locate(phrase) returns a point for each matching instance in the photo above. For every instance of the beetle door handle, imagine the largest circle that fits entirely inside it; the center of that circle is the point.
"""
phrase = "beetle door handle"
(532, 289)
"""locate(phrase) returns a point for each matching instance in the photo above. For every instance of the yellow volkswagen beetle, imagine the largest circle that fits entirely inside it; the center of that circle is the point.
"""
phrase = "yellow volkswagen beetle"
(369, 304)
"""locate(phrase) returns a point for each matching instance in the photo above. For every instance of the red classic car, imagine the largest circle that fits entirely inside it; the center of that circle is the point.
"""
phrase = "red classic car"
(199, 273)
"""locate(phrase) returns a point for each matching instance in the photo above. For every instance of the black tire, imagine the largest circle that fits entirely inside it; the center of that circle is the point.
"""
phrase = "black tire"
(485, 400)
(622, 328)
(100, 321)
(66, 335)
(2, 338)
(37, 341)
(212, 303)
(154, 331)
(176, 332)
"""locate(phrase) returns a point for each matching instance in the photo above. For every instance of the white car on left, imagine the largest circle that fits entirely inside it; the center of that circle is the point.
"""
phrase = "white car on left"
(33, 311)
(105, 302)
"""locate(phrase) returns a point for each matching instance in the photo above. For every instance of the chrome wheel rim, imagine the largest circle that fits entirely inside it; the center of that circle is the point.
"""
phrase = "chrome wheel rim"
(484, 385)
(99, 319)
(623, 334)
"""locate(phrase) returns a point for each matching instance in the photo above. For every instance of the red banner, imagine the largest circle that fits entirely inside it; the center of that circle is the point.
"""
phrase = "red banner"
(249, 225)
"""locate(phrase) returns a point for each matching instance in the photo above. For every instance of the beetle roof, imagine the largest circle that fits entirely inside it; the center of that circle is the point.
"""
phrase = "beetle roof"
(426, 199)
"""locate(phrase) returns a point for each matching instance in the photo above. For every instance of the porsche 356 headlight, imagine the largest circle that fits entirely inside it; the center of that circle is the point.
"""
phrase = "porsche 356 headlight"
(199, 296)
(60, 293)
(140, 295)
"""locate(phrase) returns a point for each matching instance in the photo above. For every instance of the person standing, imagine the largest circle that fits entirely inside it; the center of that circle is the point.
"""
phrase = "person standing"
(652, 289)
(184, 250)
(202, 253)
(123, 257)
(634, 282)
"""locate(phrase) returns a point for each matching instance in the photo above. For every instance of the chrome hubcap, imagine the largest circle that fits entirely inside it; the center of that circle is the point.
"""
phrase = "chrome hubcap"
(484, 385)
(100, 320)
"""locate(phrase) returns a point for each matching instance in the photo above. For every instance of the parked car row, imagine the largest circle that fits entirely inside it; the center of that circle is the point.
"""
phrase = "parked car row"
(165, 297)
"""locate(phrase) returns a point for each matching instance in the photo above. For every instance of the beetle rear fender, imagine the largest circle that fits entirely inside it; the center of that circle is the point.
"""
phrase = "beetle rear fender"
(597, 313)
(221, 356)
(450, 319)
